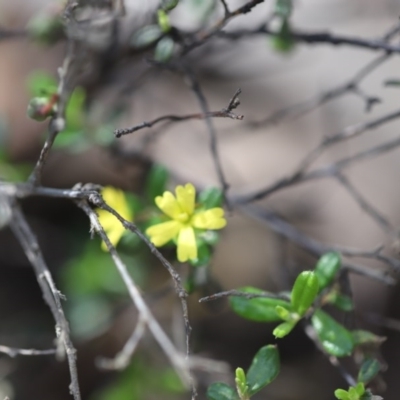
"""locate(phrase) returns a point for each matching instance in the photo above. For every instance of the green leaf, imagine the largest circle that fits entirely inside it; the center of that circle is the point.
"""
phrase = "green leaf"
(284, 329)
(169, 5)
(221, 391)
(211, 197)
(164, 49)
(74, 112)
(260, 309)
(146, 36)
(334, 337)
(369, 369)
(326, 269)
(203, 255)
(283, 41)
(263, 369)
(304, 292)
(283, 8)
(46, 28)
(341, 394)
(156, 181)
(359, 389)
(283, 312)
(341, 301)
(241, 383)
(163, 21)
(40, 83)
(361, 337)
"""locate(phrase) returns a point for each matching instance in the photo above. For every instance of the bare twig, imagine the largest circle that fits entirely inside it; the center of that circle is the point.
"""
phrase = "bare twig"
(122, 359)
(196, 89)
(51, 294)
(13, 351)
(282, 227)
(223, 113)
(238, 293)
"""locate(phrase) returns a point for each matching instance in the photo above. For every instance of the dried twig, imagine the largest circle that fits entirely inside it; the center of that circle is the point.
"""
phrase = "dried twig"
(223, 113)
(13, 351)
(51, 294)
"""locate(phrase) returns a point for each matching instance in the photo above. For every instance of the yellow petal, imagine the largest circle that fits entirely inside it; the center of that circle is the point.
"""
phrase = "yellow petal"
(161, 234)
(168, 205)
(185, 196)
(187, 248)
(116, 199)
(114, 235)
(209, 219)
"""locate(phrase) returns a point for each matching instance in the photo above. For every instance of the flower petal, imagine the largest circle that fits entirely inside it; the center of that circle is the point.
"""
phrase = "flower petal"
(187, 248)
(161, 234)
(185, 196)
(114, 235)
(116, 199)
(209, 219)
(168, 205)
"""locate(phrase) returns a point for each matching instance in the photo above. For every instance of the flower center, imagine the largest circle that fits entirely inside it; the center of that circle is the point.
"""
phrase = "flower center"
(182, 217)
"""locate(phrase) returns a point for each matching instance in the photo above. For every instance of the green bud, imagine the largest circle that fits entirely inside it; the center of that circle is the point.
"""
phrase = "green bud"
(163, 21)
(38, 108)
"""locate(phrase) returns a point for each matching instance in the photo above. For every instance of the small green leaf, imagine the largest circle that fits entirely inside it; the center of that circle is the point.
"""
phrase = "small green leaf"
(341, 301)
(40, 83)
(361, 337)
(283, 312)
(260, 309)
(283, 329)
(359, 388)
(263, 369)
(304, 292)
(241, 384)
(211, 197)
(341, 394)
(221, 391)
(283, 8)
(326, 269)
(283, 41)
(163, 21)
(369, 369)
(203, 255)
(169, 5)
(392, 82)
(164, 49)
(334, 337)
(156, 181)
(45, 28)
(146, 36)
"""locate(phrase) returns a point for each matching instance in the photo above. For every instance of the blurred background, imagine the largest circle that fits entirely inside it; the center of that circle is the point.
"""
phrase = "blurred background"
(121, 89)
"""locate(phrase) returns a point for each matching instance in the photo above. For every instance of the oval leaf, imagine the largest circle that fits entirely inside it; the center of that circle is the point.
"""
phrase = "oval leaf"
(283, 329)
(264, 369)
(334, 337)
(221, 391)
(211, 197)
(369, 369)
(260, 309)
(305, 290)
(156, 181)
(326, 269)
(164, 49)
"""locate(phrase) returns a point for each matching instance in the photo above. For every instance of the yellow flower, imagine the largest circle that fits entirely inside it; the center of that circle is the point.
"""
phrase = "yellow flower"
(183, 219)
(116, 199)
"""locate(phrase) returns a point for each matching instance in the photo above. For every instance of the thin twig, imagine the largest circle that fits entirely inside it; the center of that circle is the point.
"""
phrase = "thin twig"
(223, 113)
(196, 89)
(13, 351)
(51, 294)
(238, 293)
(122, 359)
(284, 228)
